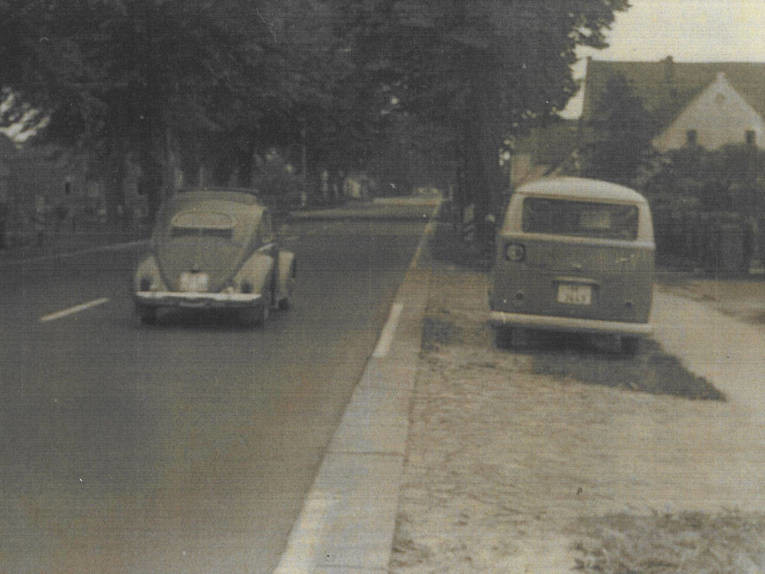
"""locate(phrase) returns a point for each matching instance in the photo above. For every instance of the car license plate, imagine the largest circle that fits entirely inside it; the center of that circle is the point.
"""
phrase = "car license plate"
(573, 294)
(194, 282)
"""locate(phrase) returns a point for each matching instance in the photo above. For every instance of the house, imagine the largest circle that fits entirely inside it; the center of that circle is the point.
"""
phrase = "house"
(704, 104)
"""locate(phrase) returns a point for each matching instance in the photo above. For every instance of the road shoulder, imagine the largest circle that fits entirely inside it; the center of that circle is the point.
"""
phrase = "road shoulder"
(510, 470)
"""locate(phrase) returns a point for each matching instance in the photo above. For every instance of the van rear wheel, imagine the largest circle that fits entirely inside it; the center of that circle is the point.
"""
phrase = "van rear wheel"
(146, 314)
(503, 337)
(630, 345)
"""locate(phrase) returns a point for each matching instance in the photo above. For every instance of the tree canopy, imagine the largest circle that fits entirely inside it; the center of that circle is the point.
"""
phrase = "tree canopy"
(482, 67)
(218, 81)
(621, 136)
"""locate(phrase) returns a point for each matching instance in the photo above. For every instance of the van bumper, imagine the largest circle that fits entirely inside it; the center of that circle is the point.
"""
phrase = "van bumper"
(554, 323)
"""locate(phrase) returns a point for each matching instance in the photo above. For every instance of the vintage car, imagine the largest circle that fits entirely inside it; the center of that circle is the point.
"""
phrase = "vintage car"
(214, 249)
(574, 254)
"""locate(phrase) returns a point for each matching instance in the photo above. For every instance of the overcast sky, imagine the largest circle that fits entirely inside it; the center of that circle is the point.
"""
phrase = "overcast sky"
(688, 30)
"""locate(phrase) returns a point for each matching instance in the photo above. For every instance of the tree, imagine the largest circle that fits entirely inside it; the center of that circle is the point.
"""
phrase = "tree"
(481, 67)
(621, 139)
(121, 79)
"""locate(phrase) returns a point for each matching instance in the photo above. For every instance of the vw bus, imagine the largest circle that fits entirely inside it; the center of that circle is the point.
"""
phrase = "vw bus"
(575, 254)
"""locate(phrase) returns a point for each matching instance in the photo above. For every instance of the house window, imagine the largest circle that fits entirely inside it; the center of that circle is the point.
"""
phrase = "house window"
(691, 138)
(751, 137)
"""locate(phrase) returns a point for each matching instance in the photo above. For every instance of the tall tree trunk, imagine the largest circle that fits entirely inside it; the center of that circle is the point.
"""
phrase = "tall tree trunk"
(114, 193)
(483, 135)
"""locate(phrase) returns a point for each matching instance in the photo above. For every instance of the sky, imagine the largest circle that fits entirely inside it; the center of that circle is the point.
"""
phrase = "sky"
(687, 30)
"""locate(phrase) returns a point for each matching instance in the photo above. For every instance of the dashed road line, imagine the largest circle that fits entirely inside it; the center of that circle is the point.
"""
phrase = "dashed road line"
(386, 337)
(73, 310)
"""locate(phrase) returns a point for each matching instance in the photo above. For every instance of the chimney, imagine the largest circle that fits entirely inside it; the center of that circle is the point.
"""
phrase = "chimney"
(669, 70)
(669, 81)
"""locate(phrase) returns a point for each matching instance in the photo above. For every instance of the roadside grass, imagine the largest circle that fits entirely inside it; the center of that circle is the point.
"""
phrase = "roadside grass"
(651, 370)
(581, 358)
(662, 543)
(437, 332)
(447, 247)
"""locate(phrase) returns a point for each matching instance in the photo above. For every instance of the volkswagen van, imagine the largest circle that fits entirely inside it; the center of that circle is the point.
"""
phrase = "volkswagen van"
(214, 249)
(575, 254)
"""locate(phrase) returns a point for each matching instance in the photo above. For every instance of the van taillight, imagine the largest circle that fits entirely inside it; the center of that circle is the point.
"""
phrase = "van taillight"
(515, 252)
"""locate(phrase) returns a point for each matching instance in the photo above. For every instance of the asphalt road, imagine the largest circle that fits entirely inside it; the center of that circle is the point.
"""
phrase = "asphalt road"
(187, 446)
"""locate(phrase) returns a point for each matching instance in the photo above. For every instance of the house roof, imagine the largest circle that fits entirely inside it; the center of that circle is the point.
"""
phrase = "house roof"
(666, 87)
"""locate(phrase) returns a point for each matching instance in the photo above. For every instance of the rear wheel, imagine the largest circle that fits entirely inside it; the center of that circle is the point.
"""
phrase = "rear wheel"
(286, 302)
(503, 337)
(146, 314)
(254, 316)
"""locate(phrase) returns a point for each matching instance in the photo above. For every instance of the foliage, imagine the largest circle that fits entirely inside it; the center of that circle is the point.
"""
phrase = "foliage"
(621, 136)
(482, 68)
(220, 82)
(729, 179)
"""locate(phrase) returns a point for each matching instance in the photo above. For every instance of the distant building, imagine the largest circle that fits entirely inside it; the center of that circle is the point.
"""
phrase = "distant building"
(697, 104)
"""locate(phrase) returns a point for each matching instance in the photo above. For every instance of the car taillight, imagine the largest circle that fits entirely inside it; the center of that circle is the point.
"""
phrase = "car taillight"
(515, 252)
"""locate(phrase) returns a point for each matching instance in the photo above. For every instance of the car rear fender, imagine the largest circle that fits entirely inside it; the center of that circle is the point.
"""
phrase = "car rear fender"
(257, 272)
(148, 268)
(287, 274)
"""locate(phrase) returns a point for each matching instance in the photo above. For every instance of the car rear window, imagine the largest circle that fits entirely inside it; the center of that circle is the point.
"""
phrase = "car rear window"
(202, 224)
(580, 218)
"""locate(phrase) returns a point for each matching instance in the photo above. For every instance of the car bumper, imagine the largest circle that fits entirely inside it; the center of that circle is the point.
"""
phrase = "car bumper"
(197, 300)
(554, 323)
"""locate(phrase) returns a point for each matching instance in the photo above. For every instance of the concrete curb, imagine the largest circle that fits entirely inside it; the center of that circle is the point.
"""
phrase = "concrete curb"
(349, 515)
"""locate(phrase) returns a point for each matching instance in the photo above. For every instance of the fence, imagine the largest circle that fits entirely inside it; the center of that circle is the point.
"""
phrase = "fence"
(718, 242)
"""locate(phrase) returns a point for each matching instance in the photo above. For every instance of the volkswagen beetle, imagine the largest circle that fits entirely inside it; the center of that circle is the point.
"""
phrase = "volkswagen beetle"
(214, 249)
(575, 254)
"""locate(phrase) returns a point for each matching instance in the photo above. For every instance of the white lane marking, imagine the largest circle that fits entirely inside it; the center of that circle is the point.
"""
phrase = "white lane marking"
(386, 337)
(73, 310)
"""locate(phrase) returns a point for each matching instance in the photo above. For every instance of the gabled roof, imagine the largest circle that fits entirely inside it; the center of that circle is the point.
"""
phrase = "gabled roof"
(666, 87)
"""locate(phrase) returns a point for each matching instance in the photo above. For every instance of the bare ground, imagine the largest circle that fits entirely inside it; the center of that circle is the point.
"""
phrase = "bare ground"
(523, 461)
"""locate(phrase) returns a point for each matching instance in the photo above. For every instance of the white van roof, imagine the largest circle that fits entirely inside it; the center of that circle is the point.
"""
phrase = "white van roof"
(581, 188)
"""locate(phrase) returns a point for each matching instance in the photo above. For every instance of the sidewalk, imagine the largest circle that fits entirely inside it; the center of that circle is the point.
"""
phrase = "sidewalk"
(562, 457)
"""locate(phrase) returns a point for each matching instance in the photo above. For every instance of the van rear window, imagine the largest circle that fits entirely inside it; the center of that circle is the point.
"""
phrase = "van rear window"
(580, 218)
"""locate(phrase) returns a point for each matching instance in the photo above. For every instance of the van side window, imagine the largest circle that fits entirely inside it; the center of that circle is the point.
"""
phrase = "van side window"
(580, 218)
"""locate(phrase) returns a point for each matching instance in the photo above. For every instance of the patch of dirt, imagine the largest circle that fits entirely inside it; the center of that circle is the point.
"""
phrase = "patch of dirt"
(437, 331)
(651, 370)
(684, 543)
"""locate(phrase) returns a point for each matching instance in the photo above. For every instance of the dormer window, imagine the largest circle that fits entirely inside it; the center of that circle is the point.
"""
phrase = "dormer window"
(751, 137)
(691, 138)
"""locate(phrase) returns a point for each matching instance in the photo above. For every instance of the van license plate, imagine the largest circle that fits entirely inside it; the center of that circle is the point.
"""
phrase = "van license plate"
(194, 282)
(573, 294)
